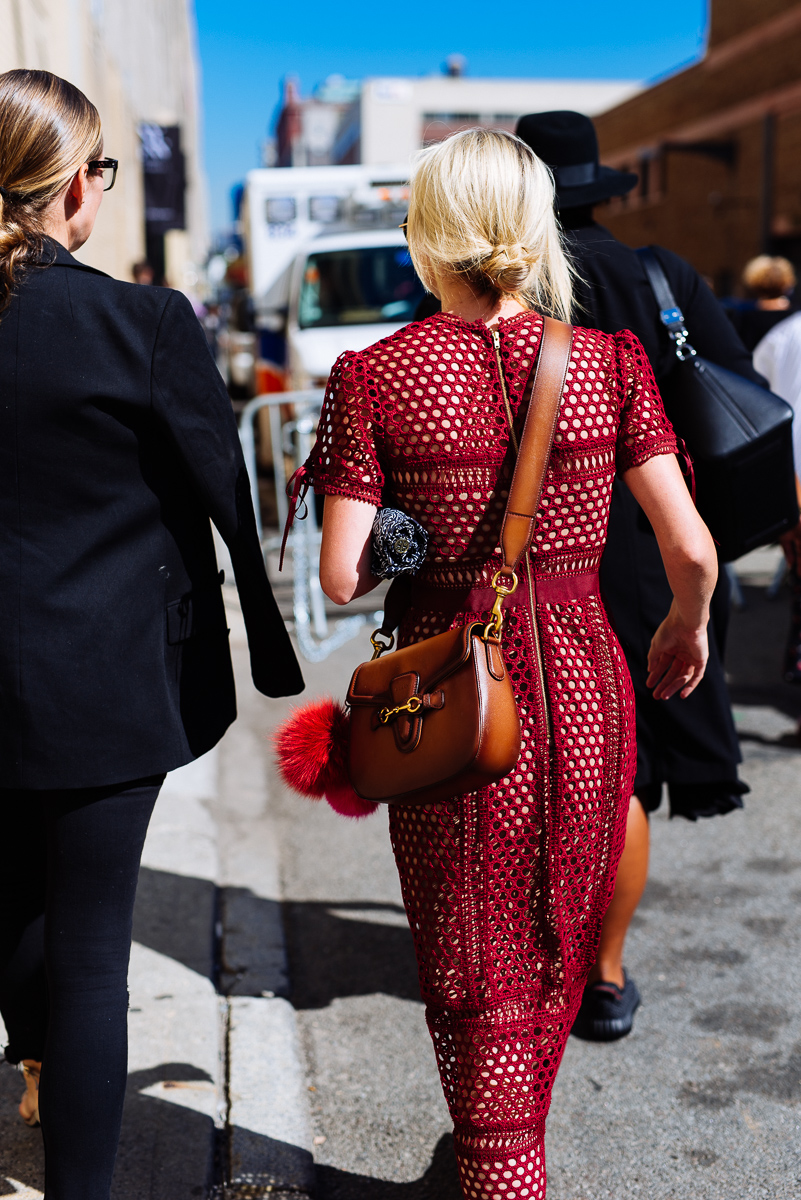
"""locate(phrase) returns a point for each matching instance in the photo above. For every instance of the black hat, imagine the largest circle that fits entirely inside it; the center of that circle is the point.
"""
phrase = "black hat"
(567, 142)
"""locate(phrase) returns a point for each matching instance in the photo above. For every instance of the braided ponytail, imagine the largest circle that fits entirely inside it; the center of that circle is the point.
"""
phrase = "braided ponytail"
(20, 241)
(48, 129)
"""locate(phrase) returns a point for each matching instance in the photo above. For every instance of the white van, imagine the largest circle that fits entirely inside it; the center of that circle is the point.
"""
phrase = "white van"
(347, 291)
(328, 266)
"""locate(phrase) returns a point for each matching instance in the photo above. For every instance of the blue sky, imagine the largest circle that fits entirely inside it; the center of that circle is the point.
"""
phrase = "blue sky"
(247, 46)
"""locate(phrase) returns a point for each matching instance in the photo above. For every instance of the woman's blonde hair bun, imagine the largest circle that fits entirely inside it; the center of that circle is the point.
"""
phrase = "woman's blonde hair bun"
(508, 268)
(481, 206)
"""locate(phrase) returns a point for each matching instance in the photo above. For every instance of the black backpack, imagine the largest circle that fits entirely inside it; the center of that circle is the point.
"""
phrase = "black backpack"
(738, 435)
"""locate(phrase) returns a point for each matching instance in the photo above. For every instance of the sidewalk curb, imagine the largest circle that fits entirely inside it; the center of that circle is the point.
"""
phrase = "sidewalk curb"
(268, 1115)
(176, 1080)
(268, 1123)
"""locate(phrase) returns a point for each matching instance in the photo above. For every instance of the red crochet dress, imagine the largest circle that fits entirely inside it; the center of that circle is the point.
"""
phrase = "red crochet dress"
(506, 888)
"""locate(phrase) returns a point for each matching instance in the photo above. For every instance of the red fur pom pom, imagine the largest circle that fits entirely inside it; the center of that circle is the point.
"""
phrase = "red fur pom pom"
(347, 803)
(312, 748)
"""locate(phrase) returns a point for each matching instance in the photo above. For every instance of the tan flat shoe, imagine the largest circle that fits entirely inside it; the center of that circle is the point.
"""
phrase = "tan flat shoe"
(29, 1105)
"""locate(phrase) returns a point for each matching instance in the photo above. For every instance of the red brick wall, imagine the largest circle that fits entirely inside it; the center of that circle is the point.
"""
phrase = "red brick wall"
(711, 212)
(731, 17)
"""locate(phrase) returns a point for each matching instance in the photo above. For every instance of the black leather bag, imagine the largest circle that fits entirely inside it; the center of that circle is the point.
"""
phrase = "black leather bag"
(738, 434)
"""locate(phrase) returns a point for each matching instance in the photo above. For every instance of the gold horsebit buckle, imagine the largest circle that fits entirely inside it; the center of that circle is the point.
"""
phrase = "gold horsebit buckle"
(412, 705)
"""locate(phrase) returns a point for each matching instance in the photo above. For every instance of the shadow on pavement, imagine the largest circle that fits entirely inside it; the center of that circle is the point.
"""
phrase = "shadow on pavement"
(440, 1182)
(273, 1163)
(354, 948)
(755, 650)
(335, 948)
(253, 948)
(175, 916)
(165, 1147)
(261, 1166)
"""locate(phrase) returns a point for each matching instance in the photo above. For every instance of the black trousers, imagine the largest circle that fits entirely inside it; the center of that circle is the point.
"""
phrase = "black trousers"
(67, 888)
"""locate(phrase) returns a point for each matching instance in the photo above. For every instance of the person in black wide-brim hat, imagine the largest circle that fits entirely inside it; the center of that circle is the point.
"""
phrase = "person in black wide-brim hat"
(567, 142)
(689, 744)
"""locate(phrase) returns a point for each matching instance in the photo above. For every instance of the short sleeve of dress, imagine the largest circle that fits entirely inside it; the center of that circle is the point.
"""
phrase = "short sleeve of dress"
(344, 461)
(644, 429)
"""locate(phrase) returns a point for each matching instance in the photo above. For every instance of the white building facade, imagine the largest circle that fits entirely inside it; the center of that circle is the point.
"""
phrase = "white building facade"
(394, 116)
(137, 62)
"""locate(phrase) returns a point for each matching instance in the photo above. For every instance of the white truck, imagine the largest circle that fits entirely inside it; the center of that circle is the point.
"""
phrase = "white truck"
(327, 264)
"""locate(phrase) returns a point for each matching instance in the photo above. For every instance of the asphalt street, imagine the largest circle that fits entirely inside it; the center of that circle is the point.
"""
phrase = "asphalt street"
(278, 1046)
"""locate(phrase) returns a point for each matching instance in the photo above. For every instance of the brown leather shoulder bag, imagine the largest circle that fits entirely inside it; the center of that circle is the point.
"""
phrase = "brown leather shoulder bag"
(438, 718)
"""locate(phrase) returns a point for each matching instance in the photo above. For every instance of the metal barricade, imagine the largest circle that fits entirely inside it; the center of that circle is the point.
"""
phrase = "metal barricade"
(294, 439)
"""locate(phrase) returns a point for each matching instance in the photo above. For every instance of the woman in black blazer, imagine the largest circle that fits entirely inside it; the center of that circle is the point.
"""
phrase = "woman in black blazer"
(117, 444)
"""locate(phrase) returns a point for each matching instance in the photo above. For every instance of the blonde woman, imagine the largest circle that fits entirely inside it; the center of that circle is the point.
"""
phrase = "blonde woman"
(506, 888)
(771, 282)
(117, 443)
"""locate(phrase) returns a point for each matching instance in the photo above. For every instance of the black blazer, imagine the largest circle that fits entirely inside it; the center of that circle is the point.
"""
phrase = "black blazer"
(117, 444)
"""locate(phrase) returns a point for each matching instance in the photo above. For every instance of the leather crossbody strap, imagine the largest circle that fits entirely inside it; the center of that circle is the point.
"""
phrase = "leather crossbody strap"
(517, 531)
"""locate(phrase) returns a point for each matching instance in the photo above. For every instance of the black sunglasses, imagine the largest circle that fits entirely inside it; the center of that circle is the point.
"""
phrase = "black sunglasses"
(105, 164)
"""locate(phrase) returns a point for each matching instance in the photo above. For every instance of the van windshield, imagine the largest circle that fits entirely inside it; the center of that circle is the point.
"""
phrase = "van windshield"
(361, 286)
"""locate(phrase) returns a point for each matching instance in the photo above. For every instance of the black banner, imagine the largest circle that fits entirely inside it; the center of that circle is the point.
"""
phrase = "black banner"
(165, 178)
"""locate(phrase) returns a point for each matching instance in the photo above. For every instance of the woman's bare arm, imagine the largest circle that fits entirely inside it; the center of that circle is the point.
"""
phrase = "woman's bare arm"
(679, 649)
(345, 553)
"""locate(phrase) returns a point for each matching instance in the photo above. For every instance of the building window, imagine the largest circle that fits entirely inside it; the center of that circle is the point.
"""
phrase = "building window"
(325, 209)
(645, 177)
(452, 118)
(281, 210)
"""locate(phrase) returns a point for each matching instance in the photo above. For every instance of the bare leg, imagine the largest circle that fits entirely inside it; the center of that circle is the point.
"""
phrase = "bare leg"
(632, 875)
(29, 1105)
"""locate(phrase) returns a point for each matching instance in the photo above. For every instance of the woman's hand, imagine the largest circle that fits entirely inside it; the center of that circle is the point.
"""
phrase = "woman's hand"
(677, 657)
(679, 650)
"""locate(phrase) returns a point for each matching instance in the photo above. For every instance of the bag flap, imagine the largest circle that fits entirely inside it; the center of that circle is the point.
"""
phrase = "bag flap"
(431, 661)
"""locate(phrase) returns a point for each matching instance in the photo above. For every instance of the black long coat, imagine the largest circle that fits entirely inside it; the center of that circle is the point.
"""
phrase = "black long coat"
(117, 444)
(690, 744)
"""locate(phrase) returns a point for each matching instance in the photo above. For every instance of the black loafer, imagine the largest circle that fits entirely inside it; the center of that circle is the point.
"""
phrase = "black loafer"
(607, 1011)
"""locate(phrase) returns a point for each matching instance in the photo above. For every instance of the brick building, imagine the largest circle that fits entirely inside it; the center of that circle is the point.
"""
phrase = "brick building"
(717, 146)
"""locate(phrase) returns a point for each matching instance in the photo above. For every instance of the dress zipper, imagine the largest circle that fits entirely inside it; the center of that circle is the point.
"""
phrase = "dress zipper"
(546, 708)
(538, 903)
(496, 343)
